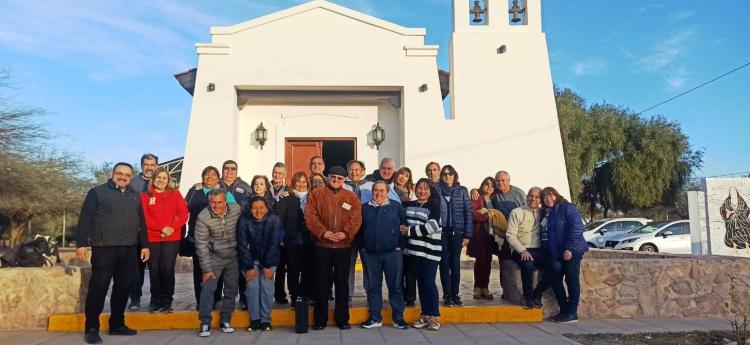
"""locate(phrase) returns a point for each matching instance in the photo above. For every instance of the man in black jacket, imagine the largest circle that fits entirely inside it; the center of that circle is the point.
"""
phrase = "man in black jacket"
(112, 224)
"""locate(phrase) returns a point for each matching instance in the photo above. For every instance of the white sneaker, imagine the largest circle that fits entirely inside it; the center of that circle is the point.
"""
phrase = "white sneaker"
(433, 324)
(205, 331)
(226, 328)
(421, 323)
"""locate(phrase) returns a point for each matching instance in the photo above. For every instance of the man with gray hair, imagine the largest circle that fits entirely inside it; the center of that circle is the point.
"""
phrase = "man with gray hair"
(385, 172)
(149, 163)
(216, 247)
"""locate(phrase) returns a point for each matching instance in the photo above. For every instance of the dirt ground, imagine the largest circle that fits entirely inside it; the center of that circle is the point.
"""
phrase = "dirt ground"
(679, 338)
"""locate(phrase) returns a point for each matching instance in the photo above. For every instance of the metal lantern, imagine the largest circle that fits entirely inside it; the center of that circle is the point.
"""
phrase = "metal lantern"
(261, 135)
(378, 135)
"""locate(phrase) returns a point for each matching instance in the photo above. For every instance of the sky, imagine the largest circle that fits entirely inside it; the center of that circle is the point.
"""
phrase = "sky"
(103, 70)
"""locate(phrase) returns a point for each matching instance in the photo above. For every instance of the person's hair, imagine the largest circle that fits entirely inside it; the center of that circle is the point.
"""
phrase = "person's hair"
(450, 169)
(316, 157)
(217, 192)
(354, 161)
(410, 182)
(207, 169)
(279, 165)
(532, 189)
(146, 156)
(502, 172)
(559, 200)
(124, 164)
(380, 182)
(488, 178)
(255, 199)
(428, 182)
(427, 167)
(259, 177)
(316, 174)
(298, 176)
(159, 170)
(229, 161)
(386, 160)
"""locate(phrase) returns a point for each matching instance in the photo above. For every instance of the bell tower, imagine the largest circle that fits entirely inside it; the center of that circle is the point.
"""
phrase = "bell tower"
(500, 79)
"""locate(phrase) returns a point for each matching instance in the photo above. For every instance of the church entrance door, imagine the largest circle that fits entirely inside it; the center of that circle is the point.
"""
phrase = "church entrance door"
(335, 151)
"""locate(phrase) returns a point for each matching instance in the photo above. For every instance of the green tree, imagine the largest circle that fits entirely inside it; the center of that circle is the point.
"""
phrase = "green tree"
(35, 180)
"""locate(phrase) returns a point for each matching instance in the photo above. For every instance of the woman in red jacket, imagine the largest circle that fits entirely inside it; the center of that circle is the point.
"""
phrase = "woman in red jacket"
(165, 212)
(480, 246)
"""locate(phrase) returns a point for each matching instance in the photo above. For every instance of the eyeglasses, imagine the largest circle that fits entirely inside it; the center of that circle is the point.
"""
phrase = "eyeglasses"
(447, 174)
(230, 168)
(336, 177)
(122, 174)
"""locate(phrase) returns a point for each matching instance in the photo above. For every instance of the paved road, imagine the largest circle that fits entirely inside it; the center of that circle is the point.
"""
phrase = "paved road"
(543, 333)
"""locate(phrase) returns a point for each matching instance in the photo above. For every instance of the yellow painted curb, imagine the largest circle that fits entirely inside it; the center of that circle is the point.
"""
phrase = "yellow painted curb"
(285, 318)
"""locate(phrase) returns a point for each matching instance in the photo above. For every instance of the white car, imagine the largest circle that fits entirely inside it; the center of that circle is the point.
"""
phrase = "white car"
(597, 233)
(672, 236)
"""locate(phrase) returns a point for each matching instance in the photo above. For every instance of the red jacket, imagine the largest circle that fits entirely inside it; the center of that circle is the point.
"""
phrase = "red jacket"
(164, 209)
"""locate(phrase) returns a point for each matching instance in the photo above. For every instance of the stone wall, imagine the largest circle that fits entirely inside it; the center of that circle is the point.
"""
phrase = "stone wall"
(28, 296)
(619, 284)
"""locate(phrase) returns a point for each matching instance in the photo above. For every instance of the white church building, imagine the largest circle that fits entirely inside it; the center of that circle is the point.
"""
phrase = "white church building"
(319, 78)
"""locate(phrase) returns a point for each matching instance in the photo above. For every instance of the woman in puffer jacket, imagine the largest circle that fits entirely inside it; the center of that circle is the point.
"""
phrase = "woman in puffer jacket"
(457, 231)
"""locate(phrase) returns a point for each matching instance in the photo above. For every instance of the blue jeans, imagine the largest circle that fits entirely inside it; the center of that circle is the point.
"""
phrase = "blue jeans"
(426, 270)
(259, 295)
(390, 264)
(450, 262)
(571, 270)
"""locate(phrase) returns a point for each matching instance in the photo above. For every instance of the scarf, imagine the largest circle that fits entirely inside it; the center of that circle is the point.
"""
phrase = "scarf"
(372, 202)
(446, 190)
(277, 194)
(302, 198)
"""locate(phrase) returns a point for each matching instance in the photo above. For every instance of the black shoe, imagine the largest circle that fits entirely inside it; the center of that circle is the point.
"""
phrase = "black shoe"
(122, 330)
(538, 302)
(154, 306)
(265, 326)
(319, 327)
(344, 326)
(448, 302)
(556, 317)
(457, 301)
(400, 324)
(568, 318)
(410, 303)
(254, 326)
(92, 337)
(527, 303)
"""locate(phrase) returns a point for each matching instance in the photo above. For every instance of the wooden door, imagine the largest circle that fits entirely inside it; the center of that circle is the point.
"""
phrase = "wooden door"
(298, 153)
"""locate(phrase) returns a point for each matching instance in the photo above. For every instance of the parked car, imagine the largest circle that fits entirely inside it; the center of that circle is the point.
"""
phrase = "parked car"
(597, 233)
(671, 236)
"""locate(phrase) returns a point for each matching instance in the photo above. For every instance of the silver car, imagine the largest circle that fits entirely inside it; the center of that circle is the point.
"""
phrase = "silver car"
(597, 233)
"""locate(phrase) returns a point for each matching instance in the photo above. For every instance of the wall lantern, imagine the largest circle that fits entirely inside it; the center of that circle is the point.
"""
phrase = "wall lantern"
(423, 88)
(261, 135)
(378, 135)
(211, 87)
(502, 49)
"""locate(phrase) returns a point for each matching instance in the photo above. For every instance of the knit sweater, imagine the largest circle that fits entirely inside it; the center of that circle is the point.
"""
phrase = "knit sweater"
(523, 229)
(424, 239)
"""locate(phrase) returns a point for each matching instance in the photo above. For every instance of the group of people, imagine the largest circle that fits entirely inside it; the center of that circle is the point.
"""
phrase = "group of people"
(251, 239)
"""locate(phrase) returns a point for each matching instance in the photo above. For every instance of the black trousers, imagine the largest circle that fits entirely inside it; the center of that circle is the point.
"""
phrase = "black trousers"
(197, 279)
(161, 271)
(107, 264)
(409, 281)
(136, 288)
(281, 270)
(299, 271)
(332, 267)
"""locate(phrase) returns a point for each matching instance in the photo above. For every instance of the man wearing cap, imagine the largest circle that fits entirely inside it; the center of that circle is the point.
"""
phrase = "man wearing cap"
(333, 216)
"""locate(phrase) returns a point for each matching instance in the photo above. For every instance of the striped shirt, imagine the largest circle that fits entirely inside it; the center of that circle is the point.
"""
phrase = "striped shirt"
(424, 237)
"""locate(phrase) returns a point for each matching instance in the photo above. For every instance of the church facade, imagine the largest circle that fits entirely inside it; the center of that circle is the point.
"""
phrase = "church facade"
(322, 79)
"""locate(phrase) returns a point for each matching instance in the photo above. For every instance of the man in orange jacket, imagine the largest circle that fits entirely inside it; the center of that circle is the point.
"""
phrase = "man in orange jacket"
(333, 216)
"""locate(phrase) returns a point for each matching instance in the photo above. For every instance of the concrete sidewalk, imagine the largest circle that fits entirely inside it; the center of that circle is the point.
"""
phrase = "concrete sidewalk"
(543, 333)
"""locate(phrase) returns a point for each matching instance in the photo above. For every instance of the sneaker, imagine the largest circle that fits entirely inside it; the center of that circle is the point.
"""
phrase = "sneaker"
(135, 303)
(457, 301)
(556, 317)
(166, 310)
(448, 302)
(371, 324)
(527, 303)
(477, 293)
(265, 326)
(205, 331)
(400, 324)
(486, 294)
(538, 302)
(226, 328)
(433, 324)
(254, 326)
(422, 322)
(122, 330)
(569, 318)
(344, 326)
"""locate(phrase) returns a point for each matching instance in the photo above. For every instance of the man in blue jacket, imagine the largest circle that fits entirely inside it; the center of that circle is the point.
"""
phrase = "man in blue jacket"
(382, 240)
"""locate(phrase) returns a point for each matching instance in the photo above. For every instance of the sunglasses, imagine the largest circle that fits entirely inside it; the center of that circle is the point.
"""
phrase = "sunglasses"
(447, 174)
(230, 168)
(336, 177)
